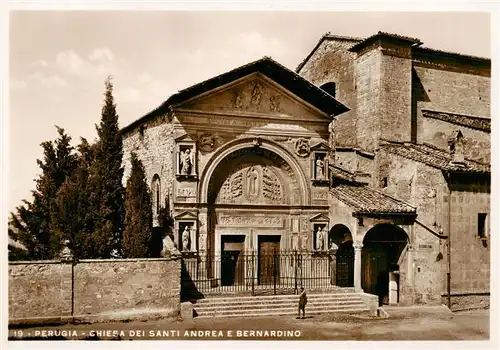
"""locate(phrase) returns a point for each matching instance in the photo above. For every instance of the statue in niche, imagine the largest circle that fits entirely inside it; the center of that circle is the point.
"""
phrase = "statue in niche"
(186, 162)
(252, 178)
(320, 239)
(185, 239)
(320, 169)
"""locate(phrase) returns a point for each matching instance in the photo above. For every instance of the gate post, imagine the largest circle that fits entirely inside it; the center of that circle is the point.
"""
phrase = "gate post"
(295, 262)
(253, 273)
(274, 270)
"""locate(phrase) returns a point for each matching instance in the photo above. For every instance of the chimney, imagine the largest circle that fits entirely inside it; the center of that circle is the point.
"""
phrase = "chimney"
(456, 147)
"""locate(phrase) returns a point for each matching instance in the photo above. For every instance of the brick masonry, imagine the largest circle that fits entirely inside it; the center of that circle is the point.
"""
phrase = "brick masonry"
(103, 289)
(333, 63)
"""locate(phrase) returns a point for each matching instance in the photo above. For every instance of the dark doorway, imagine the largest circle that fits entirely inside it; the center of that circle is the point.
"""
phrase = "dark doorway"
(232, 267)
(269, 249)
(345, 265)
(341, 237)
(382, 247)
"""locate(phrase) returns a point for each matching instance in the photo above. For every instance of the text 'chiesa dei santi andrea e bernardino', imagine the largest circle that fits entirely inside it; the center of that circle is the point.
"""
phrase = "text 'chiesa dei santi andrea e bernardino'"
(372, 159)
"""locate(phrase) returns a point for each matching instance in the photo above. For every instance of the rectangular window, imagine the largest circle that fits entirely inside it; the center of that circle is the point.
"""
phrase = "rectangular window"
(481, 225)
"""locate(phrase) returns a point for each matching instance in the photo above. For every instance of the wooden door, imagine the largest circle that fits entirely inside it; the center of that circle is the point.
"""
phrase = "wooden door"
(269, 249)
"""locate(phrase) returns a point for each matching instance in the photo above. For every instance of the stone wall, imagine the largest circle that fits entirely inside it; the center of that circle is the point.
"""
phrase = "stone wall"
(476, 143)
(423, 187)
(154, 145)
(332, 62)
(368, 73)
(470, 257)
(454, 92)
(103, 289)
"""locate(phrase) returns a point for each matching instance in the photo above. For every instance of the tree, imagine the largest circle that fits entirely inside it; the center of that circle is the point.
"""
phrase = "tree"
(106, 192)
(137, 236)
(72, 218)
(31, 225)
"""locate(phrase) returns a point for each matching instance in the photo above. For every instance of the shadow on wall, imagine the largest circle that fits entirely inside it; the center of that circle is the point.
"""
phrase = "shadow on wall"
(418, 95)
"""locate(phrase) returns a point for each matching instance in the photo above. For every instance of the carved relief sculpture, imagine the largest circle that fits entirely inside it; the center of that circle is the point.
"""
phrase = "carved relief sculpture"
(256, 94)
(185, 239)
(186, 162)
(252, 182)
(206, 142)
(274, 103)
(303, 241)
(203, 242)
(238, 100)
(302, 147)
(271, 186)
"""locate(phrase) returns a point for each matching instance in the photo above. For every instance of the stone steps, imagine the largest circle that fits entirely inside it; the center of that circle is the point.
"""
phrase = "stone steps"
(277, 305)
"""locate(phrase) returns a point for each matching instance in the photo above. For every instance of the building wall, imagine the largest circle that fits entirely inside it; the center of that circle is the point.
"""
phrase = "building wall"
(103, 289)
(469, 257)
(155, 148)
(452, 91)
(476, 143)
(423, 187)
(368, 73)
(332, 62)
(394, 111)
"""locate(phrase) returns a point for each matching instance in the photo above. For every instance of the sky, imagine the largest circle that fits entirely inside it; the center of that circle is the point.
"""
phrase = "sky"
(59, 60)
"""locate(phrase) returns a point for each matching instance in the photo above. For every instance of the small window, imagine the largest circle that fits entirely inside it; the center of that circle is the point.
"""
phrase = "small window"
(330, 88)
(383, 182)
(156, 190)
(481, 225)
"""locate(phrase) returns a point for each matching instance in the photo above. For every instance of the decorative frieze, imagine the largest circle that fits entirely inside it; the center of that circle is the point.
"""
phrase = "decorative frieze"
(254, 221)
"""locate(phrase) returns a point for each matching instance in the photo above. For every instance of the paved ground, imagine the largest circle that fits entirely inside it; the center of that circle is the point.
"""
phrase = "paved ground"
(404, 324)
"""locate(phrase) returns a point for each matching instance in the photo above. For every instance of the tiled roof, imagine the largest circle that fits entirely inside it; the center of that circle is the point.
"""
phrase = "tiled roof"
(433, 156)
(342, 173)
(266, 66)
(478, 123)
(365, 199)
(400, 38)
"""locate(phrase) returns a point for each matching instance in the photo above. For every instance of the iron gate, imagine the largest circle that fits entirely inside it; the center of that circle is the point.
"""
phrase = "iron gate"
(257, 273)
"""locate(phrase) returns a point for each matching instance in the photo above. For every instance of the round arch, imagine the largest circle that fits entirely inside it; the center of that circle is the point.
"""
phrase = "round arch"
(342, 237)
(383, 245)
(242, 144)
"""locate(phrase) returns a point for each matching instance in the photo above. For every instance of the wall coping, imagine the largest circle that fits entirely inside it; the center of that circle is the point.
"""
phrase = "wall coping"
(34, 262)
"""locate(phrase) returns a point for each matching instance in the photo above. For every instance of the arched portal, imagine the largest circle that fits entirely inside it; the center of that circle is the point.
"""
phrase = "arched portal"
(250, 191)
(382, 248)
(341, 236)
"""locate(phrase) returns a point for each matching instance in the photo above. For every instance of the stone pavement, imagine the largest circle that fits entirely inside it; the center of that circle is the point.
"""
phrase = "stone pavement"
(416, 323)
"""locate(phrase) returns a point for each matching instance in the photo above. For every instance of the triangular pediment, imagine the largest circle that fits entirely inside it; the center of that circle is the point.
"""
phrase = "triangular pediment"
(319, 218)
(320, 146)
(186, 215)
(185, 138)
(255, 95)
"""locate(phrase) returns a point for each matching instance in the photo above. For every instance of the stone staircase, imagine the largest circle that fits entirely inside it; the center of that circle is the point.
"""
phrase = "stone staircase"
(277, 305)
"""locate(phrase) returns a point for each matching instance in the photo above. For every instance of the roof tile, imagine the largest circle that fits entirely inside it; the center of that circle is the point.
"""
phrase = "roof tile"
(473, 122)
(368, 200)
(434, 157)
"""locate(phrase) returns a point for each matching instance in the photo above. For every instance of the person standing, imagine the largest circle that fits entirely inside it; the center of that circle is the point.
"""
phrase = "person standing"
(302, 302)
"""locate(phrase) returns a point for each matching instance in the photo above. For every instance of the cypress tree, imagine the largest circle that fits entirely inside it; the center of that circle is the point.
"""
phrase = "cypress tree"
(137, 236)
(73, 219)
(106, 192)
(32, 225)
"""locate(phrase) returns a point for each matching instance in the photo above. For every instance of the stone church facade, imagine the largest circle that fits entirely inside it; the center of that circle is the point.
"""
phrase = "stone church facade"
(373, 154)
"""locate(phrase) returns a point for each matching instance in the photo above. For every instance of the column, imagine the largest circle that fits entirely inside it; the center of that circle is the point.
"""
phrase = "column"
(357, 266)
(410, 280)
